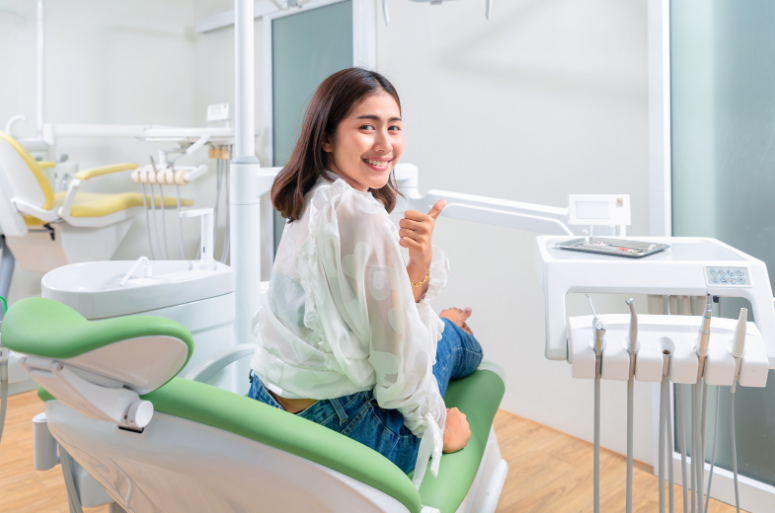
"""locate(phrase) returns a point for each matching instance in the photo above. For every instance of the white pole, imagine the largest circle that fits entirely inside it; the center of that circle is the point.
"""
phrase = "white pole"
(41, 48)
(245, 231)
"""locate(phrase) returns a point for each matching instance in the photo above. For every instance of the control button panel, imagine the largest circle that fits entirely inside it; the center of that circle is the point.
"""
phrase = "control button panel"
(730, 276)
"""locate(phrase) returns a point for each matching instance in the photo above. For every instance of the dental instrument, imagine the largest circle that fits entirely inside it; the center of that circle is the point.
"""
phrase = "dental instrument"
(632, 349)
(665, 432)
(599, 345)
(148, 222)
(180, 219)
(695, 348)
(700, 394)
(151, 180)
(738, 351)
(164, 223)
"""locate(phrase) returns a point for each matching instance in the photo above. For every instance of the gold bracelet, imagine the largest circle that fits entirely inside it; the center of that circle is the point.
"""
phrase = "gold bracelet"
(421, 281)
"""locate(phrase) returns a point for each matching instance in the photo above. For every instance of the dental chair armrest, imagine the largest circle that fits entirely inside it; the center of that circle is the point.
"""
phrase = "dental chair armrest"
(86, 174)
(22, 206)
(216, 362)
(64, 210)
(46, 164)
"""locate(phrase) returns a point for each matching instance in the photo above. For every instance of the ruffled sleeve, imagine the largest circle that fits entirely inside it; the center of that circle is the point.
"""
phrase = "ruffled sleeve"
(358, 260)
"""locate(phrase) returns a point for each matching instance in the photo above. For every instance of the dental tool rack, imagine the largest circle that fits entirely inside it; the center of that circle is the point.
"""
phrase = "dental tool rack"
(690, 267)
(676, 334)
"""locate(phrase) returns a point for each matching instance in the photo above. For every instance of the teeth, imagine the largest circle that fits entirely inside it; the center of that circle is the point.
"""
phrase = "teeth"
(377, 163)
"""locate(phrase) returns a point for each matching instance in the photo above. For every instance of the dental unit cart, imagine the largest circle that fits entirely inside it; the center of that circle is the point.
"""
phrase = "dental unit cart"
(682, 349)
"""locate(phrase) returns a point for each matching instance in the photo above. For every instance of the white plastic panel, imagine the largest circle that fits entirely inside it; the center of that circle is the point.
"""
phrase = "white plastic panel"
(678, 334)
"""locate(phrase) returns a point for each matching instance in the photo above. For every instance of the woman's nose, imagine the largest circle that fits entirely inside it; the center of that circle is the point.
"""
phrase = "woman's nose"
(382, 142)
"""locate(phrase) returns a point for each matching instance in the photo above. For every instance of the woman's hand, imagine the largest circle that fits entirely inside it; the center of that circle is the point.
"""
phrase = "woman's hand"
(416, 230)
(456, 431)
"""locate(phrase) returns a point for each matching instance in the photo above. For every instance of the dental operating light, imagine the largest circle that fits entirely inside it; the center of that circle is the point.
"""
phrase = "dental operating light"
(487, 12)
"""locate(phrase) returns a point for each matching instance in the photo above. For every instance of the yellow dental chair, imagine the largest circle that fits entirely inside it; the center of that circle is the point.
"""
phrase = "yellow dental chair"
(45, 230)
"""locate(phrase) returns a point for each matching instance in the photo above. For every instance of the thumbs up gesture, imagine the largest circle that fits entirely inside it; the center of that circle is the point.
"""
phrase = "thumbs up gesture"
(415, 231)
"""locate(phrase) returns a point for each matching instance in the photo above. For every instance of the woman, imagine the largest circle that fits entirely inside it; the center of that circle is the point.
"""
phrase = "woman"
(347, 337)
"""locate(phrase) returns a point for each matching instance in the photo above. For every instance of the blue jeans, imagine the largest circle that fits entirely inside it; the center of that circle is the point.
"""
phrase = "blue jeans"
(359, 417)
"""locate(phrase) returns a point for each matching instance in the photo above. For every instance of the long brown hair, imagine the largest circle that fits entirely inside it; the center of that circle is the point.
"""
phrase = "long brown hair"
(331, 103)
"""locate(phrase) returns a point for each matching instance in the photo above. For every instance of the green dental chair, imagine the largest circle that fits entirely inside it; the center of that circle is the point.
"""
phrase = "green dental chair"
(161, 443)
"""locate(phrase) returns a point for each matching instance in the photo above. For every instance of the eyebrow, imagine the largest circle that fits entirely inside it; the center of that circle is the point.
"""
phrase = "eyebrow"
(376, 118)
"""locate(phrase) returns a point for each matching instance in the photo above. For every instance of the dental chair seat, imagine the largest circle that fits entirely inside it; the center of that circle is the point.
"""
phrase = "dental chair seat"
(45, 328)
(96, 204)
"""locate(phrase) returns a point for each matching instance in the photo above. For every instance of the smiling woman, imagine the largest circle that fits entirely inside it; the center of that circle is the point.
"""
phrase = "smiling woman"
(347, 336)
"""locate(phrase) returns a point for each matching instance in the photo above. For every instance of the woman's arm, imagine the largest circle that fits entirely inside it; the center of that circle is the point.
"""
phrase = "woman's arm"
(416, 233)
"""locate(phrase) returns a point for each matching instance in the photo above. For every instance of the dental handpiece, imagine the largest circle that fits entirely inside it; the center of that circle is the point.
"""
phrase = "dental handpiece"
(599, 347)
(633, 344)
(738, 344)
(600, 330)
(703, 337)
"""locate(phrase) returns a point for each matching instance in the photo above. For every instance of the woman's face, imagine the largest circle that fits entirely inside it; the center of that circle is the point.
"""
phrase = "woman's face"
(367, 143)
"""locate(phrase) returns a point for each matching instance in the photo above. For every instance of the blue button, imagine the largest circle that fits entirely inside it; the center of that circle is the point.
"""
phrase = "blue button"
(722, 272)
(714, 279)
(724, 279)
(739, 272)
(713, 272)
(733, 281)
(731, 272)
(741, 281)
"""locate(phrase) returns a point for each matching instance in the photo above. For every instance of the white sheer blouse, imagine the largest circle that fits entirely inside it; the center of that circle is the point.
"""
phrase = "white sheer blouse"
(340, 316)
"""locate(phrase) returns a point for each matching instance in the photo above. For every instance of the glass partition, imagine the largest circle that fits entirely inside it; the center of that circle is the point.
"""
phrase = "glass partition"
(307, 47)
(723, 175)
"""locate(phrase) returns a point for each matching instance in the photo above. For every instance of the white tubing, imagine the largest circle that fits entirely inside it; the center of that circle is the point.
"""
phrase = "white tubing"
(662, 445)
(694, 448)
(699, 466)
(713, 452)
(682, 440)
(703, 416)
(180, 226)
(597, 448)
(147, 222)
(630, 418)
(734, 450)
(163, 222)
(218, 179)
(155, 224)
(669, 430)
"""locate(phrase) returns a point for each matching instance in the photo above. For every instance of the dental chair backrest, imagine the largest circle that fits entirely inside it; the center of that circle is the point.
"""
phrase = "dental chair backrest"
(97, 368)
(23, 179)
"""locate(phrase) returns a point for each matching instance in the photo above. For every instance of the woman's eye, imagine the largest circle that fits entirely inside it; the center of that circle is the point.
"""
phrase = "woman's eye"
(367, 127)
(395, 128)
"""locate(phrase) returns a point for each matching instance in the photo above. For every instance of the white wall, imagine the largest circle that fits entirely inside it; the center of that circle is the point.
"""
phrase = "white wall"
(547, 99)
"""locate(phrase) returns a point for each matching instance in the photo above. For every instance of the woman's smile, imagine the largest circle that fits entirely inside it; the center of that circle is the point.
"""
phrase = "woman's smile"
(378, 163)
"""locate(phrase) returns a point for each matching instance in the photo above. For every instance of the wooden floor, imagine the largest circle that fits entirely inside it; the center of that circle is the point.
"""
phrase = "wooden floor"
(549, 471)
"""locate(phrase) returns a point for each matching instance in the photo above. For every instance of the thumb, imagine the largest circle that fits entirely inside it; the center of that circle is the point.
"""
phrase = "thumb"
(437, 208)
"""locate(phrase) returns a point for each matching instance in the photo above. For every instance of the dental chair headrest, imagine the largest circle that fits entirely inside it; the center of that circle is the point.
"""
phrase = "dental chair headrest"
(97, 367)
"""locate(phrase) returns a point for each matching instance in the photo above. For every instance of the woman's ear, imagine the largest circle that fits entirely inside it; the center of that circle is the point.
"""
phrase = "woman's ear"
(327, 146)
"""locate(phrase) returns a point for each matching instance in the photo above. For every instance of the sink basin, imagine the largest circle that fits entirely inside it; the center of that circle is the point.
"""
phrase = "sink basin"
(94, 290)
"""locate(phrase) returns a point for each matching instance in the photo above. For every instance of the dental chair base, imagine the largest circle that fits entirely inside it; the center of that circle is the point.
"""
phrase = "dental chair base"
(218, 468)
(43, 249)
